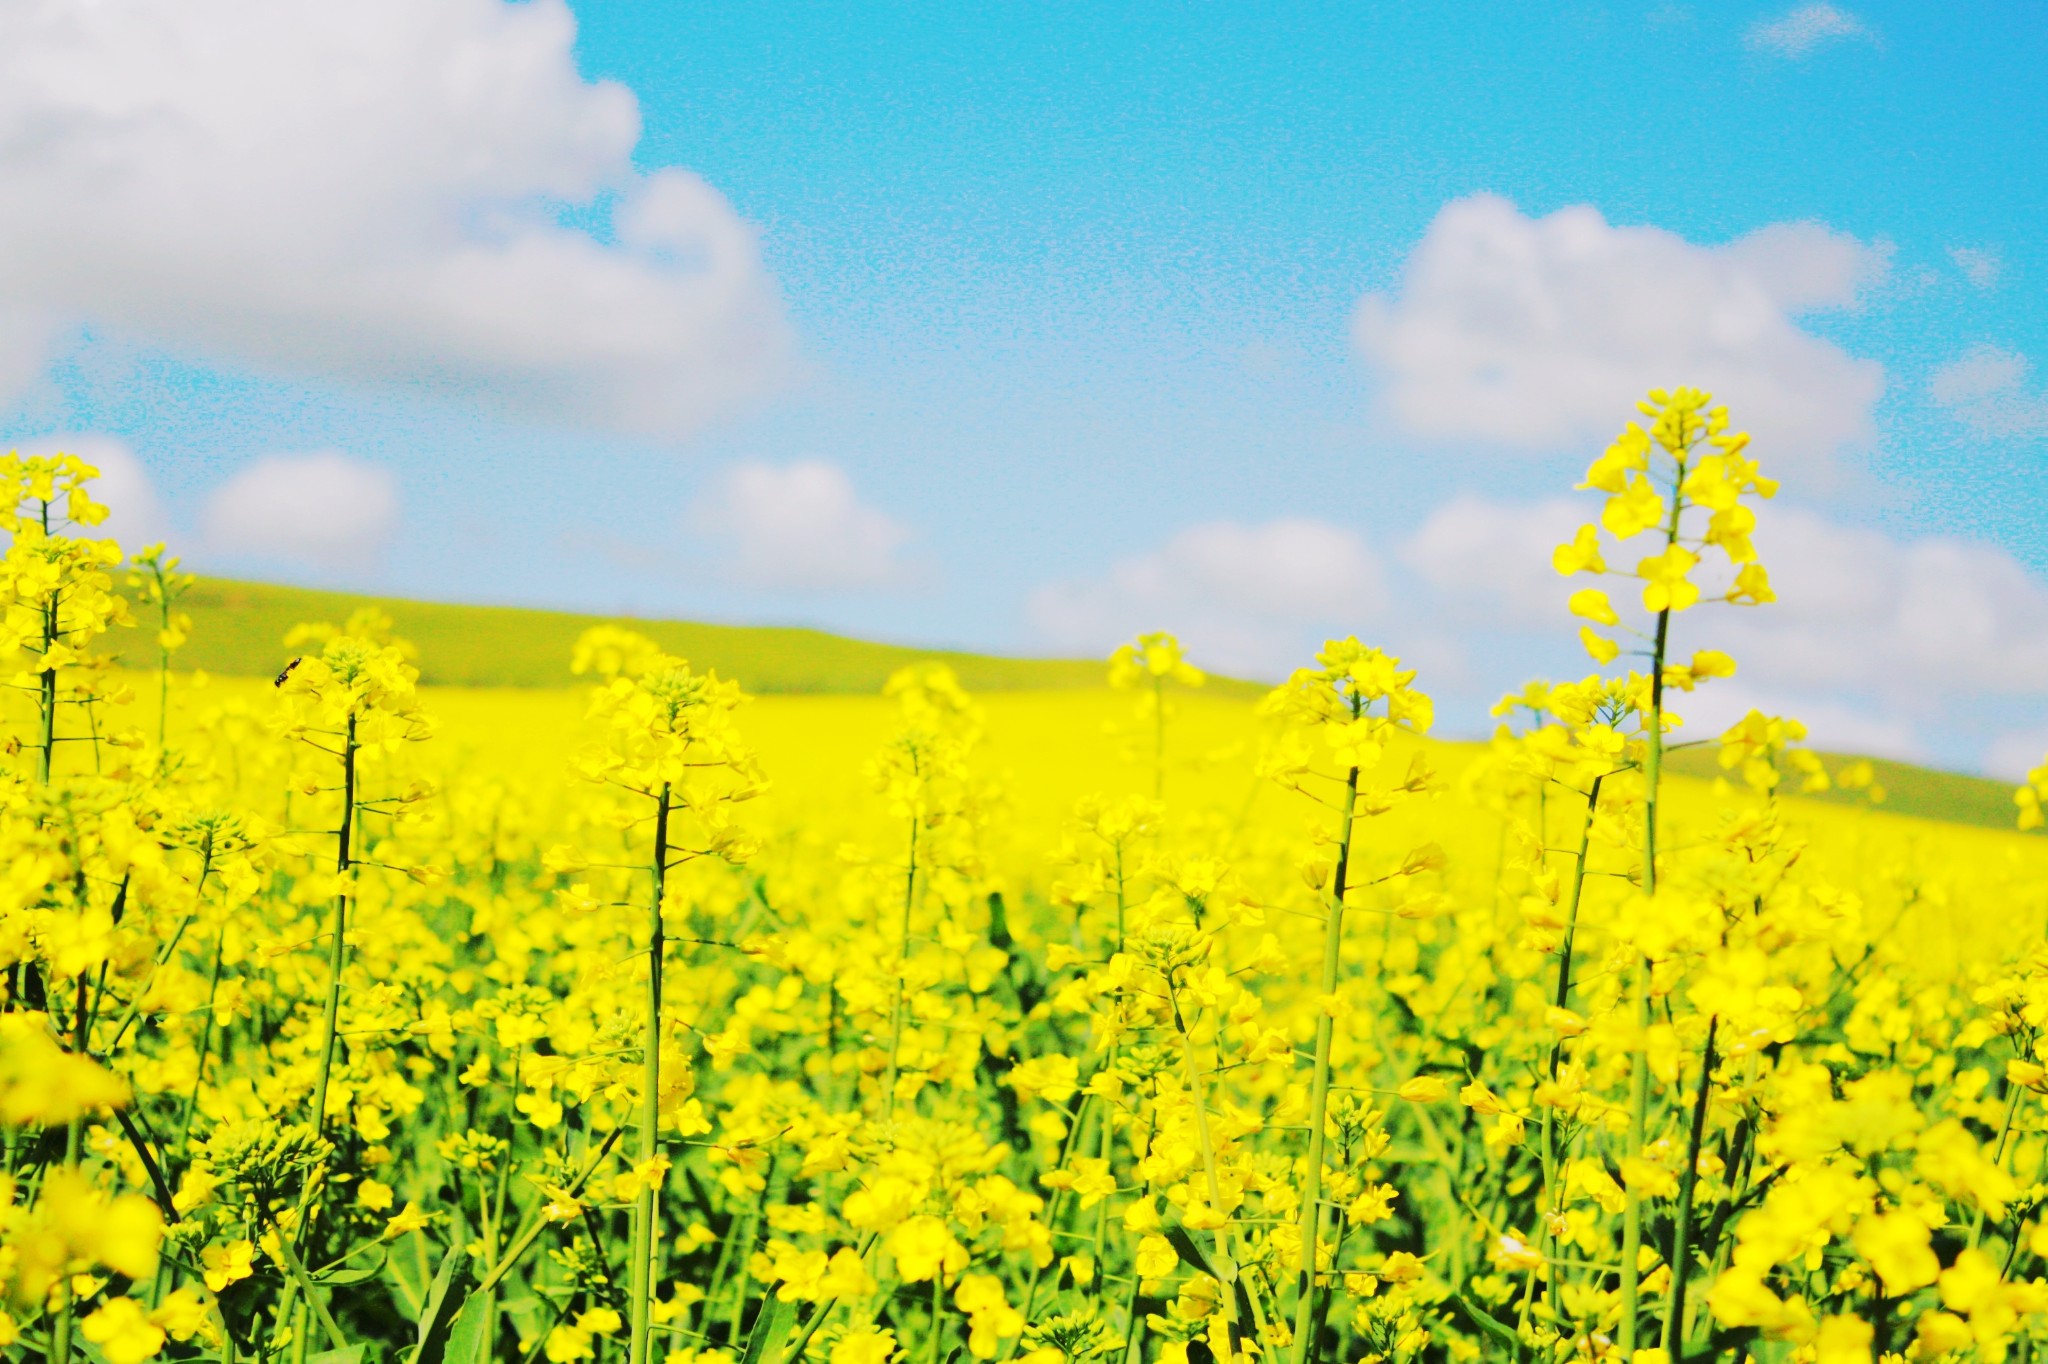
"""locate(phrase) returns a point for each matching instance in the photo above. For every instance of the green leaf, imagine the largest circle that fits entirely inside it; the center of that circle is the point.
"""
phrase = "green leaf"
(1191, 1252)
(445, 1298)
(468, 1339)
(342, 1278)
(770, 1328)
(1487, 1322)
(352, 1355)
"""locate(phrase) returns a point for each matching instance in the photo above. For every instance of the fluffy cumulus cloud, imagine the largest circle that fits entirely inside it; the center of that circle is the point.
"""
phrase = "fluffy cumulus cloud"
(1911, 622)
(1872, 639)
(1491, 561)
(1539, 333)
(1250, 599)
(800, 527)
(369, 191)
(1805, 29)
(324, 510)
(1991, 391)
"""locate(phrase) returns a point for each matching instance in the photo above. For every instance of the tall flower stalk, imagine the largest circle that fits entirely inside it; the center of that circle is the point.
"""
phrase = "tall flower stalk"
(157, 578)
(671, 746)
(922, 773)
(1686, 460)
(1351, 701)
(55, 599)
(1146, 665)
(354, 698)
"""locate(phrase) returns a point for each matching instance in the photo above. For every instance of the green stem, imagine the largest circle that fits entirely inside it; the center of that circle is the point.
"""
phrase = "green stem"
(1052, 1211)
(74, 1140)
(902, 965)
(337, 955)
(820, 1312)
(1681, 1249)
(1639, 1061)
(205, 1040)
(46, 696)
(530, 1233)
(1319, 1087)
(1544, 1240)
(311, 1293)
(641, 1279)
(1226, 1265)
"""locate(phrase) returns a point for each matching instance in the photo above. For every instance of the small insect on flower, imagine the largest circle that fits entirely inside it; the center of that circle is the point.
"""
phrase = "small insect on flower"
(287, 671)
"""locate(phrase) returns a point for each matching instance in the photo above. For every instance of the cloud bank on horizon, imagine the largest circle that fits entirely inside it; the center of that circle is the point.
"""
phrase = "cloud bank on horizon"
(428, 201)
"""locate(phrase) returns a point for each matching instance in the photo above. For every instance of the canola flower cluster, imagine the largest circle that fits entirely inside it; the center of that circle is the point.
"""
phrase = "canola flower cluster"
(320, 1048)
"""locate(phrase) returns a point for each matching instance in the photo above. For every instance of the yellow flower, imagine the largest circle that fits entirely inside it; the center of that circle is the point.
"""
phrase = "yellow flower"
(1580, 555)
(566, 1344)
(1896, 1244)
(1633, 510)
(373, 1195)
(1752, 587)
(1665, 584)
(1480, 1099)
(864, 1345)
(1156, 1258)
(1941, 1333)
(990, 1318)
(228, 1264)
(184, 1314)
(1423, 1089)
(924, 1247)
(846, 1276)
(1374, 1204)
(123, 1331)
(1592, 603)
(1843, 1340)
(600, 1321)
(1403, 1268)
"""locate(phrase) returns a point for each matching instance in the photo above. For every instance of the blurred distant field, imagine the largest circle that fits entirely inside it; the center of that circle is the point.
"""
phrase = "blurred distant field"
(239, 627)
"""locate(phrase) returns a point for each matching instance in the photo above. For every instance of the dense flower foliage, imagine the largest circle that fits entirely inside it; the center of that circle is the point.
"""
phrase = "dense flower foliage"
(327, 1039)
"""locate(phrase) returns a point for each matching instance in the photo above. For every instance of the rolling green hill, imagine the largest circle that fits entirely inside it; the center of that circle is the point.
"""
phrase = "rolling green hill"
(1909, 789)
(239, 629)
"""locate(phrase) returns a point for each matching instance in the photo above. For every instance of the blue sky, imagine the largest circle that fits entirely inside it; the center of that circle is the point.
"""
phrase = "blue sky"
(1023, 327)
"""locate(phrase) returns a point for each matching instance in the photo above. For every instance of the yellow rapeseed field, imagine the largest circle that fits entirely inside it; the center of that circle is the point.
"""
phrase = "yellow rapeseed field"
(348, 1020)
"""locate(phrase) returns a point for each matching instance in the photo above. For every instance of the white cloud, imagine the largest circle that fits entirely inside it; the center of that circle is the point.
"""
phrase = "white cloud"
(1801, 30)
(1981, 265)
(1251, 599)
(1808, 266)
(2014, 754)
(1918, 623)
(1496, 557)
(1988, 390)
(367, 191)
(324, 510)
(1872, 640)
(25, 340)
(134, 515)
(1832, 725)
(1542, 333)
(800, 527)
